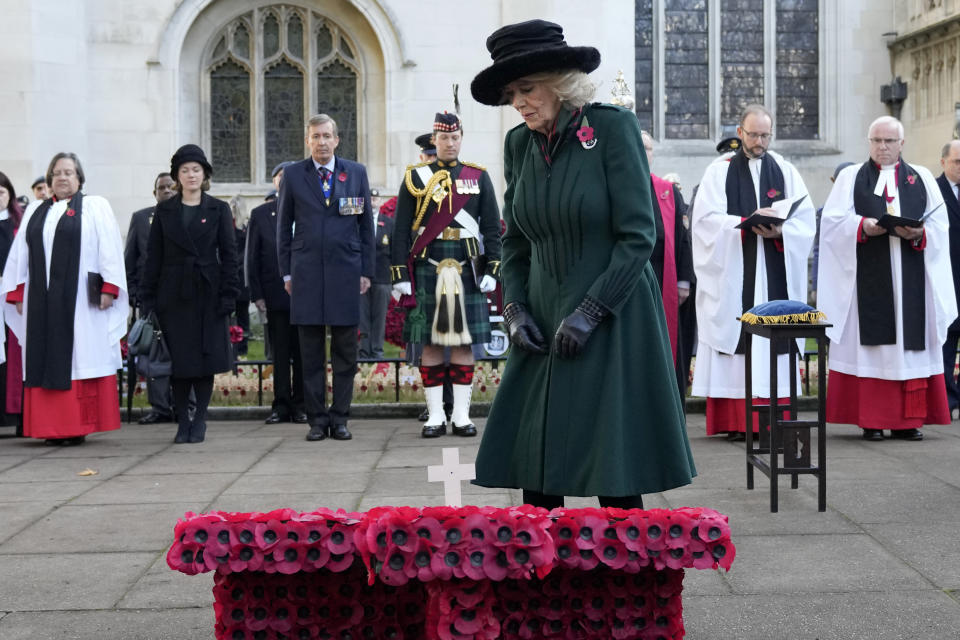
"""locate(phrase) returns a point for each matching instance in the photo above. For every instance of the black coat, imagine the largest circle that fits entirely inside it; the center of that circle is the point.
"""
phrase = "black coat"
(329, 252)
(135, 251)
(384, 232)
(953, 217)
(6, 241)
(263, 271)
(190, 280)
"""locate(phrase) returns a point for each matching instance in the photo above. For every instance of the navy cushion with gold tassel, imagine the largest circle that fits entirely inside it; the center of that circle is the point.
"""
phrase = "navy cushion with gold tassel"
(782, 312)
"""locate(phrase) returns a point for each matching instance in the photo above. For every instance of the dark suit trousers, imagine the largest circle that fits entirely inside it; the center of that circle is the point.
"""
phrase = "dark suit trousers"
(343, 357)
(285, 344)
(949, 362)
(373, 320)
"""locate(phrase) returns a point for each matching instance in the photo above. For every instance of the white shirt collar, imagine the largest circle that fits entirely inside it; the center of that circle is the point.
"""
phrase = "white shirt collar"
(330, 165)
(5, 214)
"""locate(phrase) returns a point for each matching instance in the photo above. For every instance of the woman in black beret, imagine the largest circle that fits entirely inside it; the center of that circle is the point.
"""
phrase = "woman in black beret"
(190, 281)
(588, 404)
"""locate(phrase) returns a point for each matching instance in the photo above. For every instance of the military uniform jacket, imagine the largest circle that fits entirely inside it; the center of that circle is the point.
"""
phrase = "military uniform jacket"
(384, 234)
(325, 252)
(580, 222)
(481, 206)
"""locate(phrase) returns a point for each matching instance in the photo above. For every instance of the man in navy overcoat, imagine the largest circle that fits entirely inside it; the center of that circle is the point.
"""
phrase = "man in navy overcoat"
(326, 254)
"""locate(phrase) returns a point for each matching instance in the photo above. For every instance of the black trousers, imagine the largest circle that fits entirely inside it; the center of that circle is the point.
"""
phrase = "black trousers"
(949, 363)
(343, 357)
(285, 343)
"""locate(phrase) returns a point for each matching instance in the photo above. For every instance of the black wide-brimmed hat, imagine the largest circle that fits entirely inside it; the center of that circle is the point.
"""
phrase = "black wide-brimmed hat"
(189, 153)
(526, 48)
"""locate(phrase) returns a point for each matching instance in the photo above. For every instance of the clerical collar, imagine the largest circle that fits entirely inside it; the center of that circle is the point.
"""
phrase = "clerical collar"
(448, 163)
(5, 214)
(329, 166)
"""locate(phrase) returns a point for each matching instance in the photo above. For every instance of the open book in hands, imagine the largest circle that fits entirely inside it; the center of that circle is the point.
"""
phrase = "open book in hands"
(782, 211)
(889, 221)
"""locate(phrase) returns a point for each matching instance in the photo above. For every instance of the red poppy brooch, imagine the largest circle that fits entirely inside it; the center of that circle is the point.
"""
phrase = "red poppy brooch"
(772, 193)
(585, 135)
(342, 177)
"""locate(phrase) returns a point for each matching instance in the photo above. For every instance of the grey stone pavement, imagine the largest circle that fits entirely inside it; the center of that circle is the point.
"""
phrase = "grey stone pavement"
(83, 557)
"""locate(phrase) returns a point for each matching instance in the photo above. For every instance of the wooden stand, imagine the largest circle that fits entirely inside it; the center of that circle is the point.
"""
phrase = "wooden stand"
(787, 437)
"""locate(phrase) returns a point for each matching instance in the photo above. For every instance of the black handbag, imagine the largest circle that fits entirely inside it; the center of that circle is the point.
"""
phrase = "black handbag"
(140, 336)
(156, 363)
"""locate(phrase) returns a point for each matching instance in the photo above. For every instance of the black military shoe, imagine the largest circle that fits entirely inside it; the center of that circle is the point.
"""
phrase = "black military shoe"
(433, 430)
(873, 435)
(155, 417)
(340, 432)
(736, 436)
(466, 431)
(424, 416)
(318, 432)
(275, 418)
(300, 417)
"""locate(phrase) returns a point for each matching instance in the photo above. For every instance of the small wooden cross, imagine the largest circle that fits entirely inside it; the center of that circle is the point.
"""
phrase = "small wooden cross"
(451, 473)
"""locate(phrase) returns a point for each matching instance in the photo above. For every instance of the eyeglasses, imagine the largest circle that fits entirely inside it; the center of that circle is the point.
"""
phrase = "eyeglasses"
(763, 137)
(889, 142)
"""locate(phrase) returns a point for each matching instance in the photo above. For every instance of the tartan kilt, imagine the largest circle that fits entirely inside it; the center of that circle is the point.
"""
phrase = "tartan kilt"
(475, 301)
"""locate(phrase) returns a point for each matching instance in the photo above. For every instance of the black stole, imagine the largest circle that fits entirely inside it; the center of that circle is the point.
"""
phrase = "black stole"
(878, 322)
(741, 202)
(51, 306)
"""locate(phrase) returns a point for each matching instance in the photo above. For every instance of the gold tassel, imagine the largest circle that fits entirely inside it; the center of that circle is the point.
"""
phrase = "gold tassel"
(809, 317)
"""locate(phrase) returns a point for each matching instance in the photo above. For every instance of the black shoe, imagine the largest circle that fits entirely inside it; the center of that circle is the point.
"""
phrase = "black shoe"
(424, 416)
(736, 436)
(183, 433)
(275, 418)
(340, 432)
(300, 417)
(154, 417)
(466, 431)
(54, 442)
(318, 432)
(906, 434)
(72, 442)
(873, 435)
(433, 430)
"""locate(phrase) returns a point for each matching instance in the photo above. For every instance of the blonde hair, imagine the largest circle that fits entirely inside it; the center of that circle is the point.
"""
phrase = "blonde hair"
(572, 87)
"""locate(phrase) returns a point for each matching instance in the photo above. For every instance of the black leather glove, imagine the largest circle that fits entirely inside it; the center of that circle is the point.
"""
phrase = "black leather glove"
(575, 330)
(522, 329)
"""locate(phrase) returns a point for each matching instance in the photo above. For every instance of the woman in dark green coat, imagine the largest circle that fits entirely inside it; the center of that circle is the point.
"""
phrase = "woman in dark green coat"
(588, 404)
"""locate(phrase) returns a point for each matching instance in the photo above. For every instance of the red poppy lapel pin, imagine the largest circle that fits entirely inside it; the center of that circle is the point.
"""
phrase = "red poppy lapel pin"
(585, 135)
(71, 212)
(342, 177)
(772, 193)
(912, 178)
(203, 221)
(663, 196)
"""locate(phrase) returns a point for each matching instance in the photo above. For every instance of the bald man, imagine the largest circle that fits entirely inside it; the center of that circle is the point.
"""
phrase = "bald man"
(948, 182)
(888, 291)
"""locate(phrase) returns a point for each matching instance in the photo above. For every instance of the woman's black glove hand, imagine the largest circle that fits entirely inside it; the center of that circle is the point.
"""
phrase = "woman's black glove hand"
(575, 330)
(522, 329)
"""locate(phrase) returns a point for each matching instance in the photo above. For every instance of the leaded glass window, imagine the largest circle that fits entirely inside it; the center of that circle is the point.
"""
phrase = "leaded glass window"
(267, 71)
(700, 62)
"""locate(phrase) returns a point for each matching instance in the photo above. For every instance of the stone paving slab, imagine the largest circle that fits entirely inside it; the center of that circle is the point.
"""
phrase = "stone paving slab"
(300, 483)
(47, 491)
(142, 488)
(46, 469)
(883, 615)
(95, 528)
(176, 462)
(161, 588)
(18, 515)
(248, 502)
(40, 582)
(169, 624)
(931, 548)
(310, 461)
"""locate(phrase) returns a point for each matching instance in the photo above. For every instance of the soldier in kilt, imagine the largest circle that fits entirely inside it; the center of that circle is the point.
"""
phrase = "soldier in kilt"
(446, 258)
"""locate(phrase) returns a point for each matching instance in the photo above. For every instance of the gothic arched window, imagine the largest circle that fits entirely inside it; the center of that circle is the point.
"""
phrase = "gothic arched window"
(267, 72)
